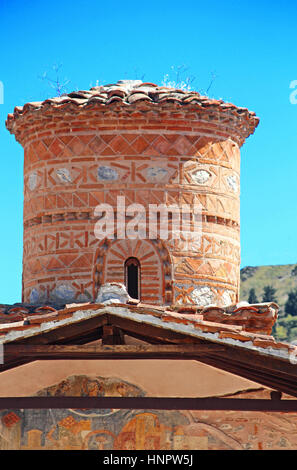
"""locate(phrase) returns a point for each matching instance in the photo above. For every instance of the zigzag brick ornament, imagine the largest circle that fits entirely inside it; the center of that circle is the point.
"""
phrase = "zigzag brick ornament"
(147, 144)
(131, 268)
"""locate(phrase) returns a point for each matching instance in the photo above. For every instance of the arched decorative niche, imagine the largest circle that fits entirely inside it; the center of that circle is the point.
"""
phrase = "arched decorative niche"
(153, 262)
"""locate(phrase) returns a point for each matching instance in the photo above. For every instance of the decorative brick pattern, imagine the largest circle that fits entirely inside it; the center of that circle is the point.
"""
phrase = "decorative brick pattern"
(160, 153)
(155, 267)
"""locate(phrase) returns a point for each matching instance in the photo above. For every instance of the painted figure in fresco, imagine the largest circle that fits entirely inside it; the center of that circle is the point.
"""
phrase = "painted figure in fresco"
(99, 440)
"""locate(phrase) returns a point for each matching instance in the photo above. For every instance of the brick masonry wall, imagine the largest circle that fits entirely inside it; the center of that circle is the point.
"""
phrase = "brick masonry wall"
(73, 163)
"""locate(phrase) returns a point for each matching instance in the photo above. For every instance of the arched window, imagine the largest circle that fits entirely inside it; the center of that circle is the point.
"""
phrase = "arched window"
(132, 277)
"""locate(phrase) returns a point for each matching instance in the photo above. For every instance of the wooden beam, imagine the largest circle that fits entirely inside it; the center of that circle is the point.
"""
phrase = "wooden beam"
(272, 378)
(142, 329)
(73, 332)
(149, 403)
(112, 335)
(95, 351)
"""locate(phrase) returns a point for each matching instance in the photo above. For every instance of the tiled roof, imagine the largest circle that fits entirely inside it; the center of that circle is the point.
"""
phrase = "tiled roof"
(19, 312)
(235, 326)
(127, 93)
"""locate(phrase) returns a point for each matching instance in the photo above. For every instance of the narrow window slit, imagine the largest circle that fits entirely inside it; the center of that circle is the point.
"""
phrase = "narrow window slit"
(132, 277)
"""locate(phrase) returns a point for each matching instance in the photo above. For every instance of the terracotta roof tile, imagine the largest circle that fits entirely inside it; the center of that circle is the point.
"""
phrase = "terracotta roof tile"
(18, 310)
(258, 318)
(194, 325)
(45, 309)
(130, 93)
(240, 336)
(38, 319)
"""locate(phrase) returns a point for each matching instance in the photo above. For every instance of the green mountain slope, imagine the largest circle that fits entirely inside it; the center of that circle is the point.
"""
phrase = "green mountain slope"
(284, 279)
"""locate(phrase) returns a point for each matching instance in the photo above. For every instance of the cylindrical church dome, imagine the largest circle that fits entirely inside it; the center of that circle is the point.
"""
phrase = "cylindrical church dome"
(125, 151)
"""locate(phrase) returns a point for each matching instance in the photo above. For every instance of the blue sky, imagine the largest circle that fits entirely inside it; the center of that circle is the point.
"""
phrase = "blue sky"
(252, 49)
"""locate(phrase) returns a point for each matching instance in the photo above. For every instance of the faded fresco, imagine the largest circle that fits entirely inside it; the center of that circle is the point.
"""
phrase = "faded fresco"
(111, 429)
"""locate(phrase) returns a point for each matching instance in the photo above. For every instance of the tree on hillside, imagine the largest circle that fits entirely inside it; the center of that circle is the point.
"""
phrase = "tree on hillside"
(269, 294)
(252, 297)
(294, 271)
(291, 304)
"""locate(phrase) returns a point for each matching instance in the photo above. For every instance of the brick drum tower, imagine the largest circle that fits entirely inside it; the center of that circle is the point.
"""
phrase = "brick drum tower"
(149, 145)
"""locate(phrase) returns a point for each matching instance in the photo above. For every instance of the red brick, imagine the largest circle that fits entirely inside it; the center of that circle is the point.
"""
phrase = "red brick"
(130, 141)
